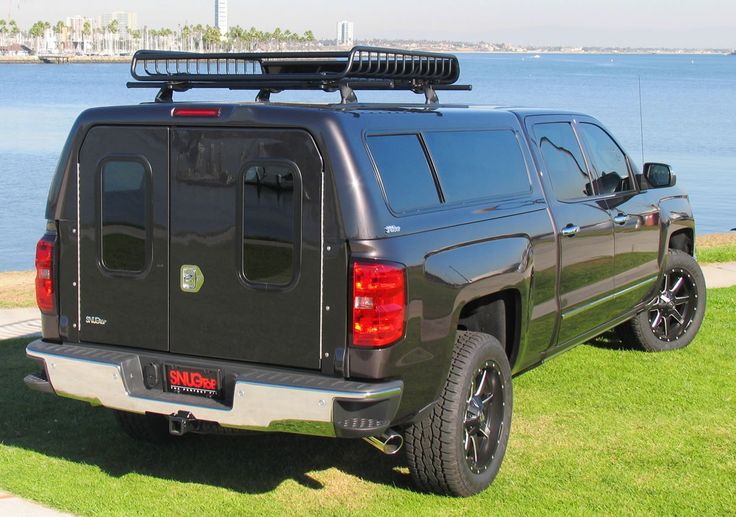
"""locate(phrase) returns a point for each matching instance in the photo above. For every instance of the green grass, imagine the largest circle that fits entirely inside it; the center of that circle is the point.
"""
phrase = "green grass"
(725, 253)
(599, 430)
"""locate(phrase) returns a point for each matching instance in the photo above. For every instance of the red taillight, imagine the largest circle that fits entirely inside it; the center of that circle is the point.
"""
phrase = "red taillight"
(45, 275)
(195, 112)
(379, 304)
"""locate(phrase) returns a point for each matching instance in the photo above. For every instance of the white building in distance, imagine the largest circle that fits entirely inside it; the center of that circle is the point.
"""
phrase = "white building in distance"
(345, 34)
(127, 21)
(221, 16)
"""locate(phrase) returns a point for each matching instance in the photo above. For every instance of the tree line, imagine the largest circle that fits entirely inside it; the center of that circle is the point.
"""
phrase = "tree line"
(195, 38)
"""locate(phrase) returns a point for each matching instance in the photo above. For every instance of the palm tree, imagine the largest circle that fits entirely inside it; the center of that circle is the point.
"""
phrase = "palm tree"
(277, 36)
(101, 38)
(3, 30)
(14, 30)
(59, 30)
(114, 28)
(135, 36)
(198, 35)
(86, 33)
(211, 38)
(186, 37)
(37, 31)
(235, 37)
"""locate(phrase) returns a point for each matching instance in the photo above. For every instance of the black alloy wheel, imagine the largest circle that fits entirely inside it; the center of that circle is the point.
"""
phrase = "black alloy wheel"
(457, 448)
(673, 316)
(483, 417)
(674, 308)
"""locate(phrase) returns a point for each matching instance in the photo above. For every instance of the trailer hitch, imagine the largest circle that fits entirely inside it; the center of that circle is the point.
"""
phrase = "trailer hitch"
(181, 423)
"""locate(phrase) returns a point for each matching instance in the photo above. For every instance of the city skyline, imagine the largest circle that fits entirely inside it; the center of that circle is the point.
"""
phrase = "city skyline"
(687, 24)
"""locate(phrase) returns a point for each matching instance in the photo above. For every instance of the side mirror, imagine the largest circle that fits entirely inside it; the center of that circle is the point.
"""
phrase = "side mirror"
(659, 175)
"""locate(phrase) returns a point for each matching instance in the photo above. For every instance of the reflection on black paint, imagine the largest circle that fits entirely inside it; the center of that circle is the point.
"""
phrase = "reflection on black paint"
(123, 216)
(477, 164)
(403, 167)
(268, 224)
(607, 159)
(564, 160)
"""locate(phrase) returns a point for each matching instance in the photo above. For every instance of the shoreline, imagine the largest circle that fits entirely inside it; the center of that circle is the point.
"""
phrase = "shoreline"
(702, 241)
(91, 60)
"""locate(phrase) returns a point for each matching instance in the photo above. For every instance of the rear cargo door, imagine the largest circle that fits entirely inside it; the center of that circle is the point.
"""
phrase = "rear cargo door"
(123, 181)
(245, 263)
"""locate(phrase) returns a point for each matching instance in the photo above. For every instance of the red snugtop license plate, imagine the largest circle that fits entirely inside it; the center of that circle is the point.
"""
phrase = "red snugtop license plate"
(192, 381)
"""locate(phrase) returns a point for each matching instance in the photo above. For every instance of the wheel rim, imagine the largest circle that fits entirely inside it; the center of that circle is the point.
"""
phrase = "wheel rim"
(483, 422)
(673, 310)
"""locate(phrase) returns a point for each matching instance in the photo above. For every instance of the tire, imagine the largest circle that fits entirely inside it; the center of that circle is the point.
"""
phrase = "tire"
(447, 454)
(673, 317)
(147, 428)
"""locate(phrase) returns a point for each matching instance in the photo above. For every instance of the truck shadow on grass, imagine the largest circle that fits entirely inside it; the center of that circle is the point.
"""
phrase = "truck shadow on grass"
(248, 463)
(611, 341)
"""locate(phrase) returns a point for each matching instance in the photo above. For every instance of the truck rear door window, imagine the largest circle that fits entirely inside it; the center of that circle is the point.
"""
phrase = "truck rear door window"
(477, 164)
(271, 194)
(405, 173)
(123, 207)
(564, 160)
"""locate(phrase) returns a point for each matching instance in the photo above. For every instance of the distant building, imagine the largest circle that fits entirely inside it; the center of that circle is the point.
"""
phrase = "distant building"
(221, 16)
(80, 42)
(345, 33)
(14, 50)
(127, 21)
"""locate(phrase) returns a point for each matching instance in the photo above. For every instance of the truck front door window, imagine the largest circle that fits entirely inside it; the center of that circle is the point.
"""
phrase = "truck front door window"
(564, 160)
(607, 159)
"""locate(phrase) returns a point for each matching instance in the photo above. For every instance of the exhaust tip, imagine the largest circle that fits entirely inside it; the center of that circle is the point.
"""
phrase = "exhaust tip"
(393, 444)
(388, 443)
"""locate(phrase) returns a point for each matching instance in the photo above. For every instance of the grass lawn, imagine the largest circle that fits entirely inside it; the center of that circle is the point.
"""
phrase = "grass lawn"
(717, 254)
(601, 429)
(17, 287)
(716, 247)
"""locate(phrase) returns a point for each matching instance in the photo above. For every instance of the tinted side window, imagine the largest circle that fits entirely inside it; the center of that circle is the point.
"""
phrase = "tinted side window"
(271, 193)
(123, 202)
(564, 160)
(405, 173)
(607, 159)
(475, 164)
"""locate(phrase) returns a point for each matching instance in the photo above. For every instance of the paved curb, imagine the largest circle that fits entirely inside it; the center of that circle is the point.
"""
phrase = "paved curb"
(19, 322)
(27, 322)
(720, 275)
(12, 505)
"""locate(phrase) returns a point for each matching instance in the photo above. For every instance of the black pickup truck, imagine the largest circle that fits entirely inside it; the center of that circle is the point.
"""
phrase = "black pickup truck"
(376, 271)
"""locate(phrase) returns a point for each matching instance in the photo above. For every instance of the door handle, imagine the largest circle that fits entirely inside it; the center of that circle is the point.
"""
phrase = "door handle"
(621, 219)
(570, 230)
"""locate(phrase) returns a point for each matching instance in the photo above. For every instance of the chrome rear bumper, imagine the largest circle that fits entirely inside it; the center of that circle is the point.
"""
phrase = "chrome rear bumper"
(263, 398)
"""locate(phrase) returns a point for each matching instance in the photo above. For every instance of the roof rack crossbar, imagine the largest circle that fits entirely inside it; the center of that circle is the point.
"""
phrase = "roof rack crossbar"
(270, 72)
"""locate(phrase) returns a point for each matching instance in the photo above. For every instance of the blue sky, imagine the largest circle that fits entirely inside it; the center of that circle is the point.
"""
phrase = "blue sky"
(654, 23)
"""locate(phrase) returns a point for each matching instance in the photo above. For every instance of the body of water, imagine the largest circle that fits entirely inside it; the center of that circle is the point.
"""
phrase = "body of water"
(688, 107)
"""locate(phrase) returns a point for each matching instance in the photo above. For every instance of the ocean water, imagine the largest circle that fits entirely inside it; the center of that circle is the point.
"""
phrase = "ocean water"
(688, 109)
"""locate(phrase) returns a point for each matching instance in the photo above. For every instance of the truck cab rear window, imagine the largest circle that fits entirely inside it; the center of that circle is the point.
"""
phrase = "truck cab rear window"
(271, 194)
(477, 164)
(124, 225)
(405, 173)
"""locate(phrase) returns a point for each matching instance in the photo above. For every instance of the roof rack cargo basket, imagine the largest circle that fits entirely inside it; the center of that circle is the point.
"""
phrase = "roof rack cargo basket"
(361, 68)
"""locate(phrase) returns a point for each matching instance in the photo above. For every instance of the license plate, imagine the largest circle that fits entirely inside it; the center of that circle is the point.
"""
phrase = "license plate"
(203, 382)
